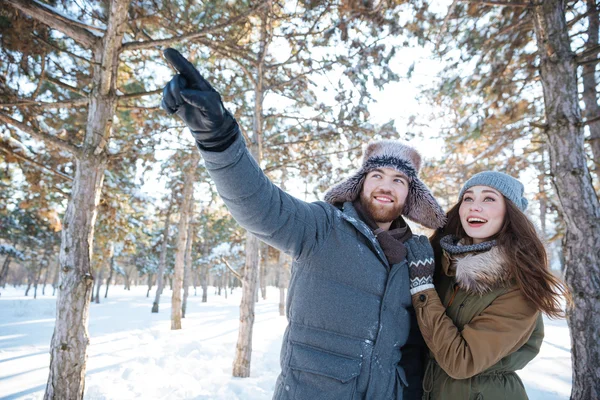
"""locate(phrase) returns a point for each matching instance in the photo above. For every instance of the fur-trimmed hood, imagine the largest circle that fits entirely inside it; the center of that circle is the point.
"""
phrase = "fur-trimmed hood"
(478, 268)
(420, 205)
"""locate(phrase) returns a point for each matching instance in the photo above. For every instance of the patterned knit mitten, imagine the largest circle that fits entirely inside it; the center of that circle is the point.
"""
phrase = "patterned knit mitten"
(421, 264)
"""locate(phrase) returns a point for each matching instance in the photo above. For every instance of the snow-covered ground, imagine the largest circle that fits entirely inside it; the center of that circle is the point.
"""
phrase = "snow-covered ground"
(134, 354)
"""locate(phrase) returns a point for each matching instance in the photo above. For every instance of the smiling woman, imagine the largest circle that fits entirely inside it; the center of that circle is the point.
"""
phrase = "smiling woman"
(483, 320)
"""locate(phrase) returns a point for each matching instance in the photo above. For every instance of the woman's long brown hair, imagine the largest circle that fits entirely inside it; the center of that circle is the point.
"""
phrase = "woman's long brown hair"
(525, 255)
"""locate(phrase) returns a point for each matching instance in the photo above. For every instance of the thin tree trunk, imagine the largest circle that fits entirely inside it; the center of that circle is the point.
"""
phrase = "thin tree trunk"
(4, 271)
(578, 200)
(543, 196)
(188, 191)
(187, 272)
(56, 277)
(226, 281)
(99, 279)
(45, 281)
(283, 281)
(110, 275)
(30, 276)
(38, 276)
(105, 265)
(205, 283)
(163, 258)
(590, 95)
(263, 270)
(195, 280)
(149, 282)
(243, 354)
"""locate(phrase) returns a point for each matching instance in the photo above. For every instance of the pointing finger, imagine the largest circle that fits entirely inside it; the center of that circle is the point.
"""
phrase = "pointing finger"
(187, 70)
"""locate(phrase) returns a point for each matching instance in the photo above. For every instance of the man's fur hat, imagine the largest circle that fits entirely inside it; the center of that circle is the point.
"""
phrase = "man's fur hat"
(420, 206)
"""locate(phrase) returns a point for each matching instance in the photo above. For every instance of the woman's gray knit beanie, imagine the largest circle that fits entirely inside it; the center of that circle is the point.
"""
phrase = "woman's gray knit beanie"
(510, 187)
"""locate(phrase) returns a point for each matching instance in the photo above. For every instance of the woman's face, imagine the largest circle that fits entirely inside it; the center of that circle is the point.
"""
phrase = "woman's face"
(482, 212)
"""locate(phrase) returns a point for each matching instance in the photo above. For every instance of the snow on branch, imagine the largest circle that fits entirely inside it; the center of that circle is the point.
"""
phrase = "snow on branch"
(86, 35)
(45, 137)
(9, 250)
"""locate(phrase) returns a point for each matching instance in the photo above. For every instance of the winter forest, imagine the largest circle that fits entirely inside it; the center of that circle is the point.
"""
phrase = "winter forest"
(122, 274)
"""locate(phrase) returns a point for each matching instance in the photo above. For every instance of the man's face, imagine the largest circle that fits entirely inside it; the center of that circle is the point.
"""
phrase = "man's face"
(383, 194)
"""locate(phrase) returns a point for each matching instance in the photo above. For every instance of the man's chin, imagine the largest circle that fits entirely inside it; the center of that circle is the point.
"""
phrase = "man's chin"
(383, 214)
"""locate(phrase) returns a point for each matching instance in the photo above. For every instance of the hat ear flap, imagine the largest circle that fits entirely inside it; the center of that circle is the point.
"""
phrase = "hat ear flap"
(421, 206)
(347, 190)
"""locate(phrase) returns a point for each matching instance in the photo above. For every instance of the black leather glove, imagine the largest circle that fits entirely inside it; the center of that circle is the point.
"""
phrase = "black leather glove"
(199, 105)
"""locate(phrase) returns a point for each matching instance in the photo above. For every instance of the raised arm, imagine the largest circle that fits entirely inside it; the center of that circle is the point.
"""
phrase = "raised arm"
(287, 223)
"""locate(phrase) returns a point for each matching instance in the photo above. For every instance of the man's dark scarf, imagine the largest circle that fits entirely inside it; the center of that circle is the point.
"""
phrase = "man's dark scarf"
(392, 240)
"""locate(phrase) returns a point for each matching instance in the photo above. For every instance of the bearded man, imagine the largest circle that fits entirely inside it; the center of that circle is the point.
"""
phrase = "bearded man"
(351, 329)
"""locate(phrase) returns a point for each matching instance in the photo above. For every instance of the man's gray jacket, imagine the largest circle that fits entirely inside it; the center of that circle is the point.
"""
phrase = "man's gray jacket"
(349, 311)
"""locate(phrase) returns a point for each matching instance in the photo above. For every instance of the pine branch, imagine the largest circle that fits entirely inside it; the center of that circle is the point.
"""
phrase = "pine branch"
(590, 61)
(38, 165)
(53, 46)
(64, 85)
(591, 120)
(190, 36)
(499, 3)
(139, 94)
(233, 271)
(47, 104)
(582, 16)
(45, 137)
(128, 107)
(75, 30)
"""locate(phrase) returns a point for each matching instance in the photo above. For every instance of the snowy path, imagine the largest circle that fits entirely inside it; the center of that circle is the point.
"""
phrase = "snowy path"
(134, 354)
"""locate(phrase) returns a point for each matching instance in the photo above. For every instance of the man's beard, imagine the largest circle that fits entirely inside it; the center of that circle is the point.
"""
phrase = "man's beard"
(380, 213)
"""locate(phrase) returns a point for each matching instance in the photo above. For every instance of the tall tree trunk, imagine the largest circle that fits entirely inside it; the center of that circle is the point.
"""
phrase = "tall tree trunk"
(543, 196)
(38, 276)
(110, 275)
(163, 258)
(243, 353)
(283, 280)
(4, 271)
(29, 282)
(150, 279)
(105, 265)
(99, 279)
(590, 95)
(205, 283)
(56, 276)
(195, 279)
(263, 270)
(578, 200)
(225, 281)
(68, 350)
(188, 191)
(45, 281)
(241, 362)
(187, 272)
